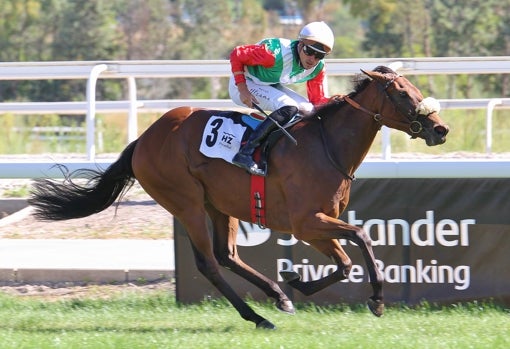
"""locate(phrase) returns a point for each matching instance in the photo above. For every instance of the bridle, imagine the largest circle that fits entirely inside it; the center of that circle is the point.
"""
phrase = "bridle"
(416, 125)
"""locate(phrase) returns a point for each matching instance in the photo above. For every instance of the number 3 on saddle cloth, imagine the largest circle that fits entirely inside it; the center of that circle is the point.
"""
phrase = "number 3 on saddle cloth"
(222, 138)
(226, 131)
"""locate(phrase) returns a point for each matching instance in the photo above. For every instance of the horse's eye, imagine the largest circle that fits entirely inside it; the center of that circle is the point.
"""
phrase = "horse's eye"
(403, 94)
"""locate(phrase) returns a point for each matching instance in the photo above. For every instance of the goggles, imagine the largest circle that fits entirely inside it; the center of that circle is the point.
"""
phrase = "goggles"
(312, 51)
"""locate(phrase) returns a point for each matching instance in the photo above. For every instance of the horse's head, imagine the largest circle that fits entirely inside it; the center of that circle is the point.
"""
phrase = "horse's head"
(407, 110)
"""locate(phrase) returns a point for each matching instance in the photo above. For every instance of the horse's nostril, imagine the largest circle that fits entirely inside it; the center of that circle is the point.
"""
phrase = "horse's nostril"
(441, 130)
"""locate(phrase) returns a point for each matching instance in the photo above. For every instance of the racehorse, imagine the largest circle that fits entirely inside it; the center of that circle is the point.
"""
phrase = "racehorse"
(307, 186)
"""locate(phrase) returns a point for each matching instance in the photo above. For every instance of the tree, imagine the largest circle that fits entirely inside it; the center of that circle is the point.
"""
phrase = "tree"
(44, 30)
(86, 31)
(393, 29)
(465, 30)
(147, 29)
(21, 39)
(20, 33)
(501, 46)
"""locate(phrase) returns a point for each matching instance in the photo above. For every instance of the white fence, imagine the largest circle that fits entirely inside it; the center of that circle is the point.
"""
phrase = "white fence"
(131, 70)
(370, 168)
(161, 106)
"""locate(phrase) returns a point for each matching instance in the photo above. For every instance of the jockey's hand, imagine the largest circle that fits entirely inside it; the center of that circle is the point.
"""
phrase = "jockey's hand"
(245, 95)
(336, 98)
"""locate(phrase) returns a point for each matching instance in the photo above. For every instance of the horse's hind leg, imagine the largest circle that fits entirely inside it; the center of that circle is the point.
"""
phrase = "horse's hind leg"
(189, 209)
(209, 267)
(225, 249)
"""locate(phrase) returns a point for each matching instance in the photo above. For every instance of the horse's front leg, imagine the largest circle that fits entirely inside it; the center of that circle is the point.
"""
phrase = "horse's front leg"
(225, 249)
(331, 249)
(326, 228)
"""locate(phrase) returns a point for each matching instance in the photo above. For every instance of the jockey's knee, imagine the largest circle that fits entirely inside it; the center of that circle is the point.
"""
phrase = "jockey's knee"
(305, 107)
(284, 114)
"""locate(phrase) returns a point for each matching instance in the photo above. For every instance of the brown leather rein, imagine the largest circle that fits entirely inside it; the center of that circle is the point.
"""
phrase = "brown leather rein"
(415, 127)
(377, 117)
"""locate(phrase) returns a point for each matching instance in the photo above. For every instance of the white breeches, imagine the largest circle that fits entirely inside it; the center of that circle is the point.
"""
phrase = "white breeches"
(271, 97)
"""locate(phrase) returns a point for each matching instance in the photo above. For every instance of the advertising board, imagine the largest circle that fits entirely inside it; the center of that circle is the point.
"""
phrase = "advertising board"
(439, 240)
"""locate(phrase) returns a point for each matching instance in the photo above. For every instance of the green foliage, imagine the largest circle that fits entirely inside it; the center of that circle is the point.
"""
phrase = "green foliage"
(84, 32)
(465, 30)
(54, 134)
(41, 30)
(19, 29)
(436, 28)
(18, 192)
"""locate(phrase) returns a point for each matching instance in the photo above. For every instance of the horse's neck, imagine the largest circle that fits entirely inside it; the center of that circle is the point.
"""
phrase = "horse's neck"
(352, 133)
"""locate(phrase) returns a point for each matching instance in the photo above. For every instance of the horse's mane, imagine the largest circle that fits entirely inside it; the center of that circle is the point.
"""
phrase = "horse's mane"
(360, 82)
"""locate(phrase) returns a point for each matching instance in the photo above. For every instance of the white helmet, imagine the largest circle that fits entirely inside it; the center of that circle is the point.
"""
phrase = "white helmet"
(319, 32)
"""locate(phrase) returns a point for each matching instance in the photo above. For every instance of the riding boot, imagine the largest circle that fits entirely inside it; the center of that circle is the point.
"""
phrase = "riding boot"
(244, 158)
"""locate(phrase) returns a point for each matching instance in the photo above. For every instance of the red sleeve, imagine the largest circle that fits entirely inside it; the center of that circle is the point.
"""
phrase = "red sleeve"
(315, 89)
(249, 55)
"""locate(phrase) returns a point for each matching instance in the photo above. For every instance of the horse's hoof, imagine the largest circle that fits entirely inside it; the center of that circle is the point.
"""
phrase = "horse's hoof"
(266, 325)
(286, 307)
(376, 307)
(346, 271)
(289, 276)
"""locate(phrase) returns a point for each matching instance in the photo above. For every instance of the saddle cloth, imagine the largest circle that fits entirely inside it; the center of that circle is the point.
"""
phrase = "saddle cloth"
(224, 133)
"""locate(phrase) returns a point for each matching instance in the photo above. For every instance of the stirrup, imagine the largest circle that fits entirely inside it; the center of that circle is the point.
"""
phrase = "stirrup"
(255, 170)
(246, 162)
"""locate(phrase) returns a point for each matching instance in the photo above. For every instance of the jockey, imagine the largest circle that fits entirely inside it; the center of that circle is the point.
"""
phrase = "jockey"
(260, 71)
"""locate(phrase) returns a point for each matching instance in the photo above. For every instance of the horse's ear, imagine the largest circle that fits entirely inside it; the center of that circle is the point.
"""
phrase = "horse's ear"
(364, 72)
(372, 74)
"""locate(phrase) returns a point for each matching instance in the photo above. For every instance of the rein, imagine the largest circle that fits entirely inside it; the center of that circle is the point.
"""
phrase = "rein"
(377, 117)
(415, 127)
(328, 152)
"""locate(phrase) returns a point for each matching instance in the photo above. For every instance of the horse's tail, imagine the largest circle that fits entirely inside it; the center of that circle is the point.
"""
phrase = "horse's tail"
(54, 200)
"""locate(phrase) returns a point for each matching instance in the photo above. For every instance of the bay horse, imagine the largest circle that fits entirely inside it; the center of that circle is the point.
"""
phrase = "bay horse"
(307, 186)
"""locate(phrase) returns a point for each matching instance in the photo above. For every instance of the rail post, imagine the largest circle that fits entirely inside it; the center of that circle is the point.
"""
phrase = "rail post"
(91, 109)
(490, 108)
(132, 113)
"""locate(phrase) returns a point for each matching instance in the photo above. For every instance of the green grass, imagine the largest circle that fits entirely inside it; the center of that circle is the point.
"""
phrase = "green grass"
(156, 321)
(111, 134)
(467, 134)
(17, 192)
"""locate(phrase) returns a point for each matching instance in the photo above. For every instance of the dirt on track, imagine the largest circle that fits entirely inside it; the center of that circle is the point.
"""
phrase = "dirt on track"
(56, 291)
(137, 216)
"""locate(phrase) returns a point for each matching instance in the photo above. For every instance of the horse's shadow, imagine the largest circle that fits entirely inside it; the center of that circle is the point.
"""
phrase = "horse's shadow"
(137, 203)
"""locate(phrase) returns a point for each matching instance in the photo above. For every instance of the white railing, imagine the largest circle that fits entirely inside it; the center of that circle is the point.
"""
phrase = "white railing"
(370, 168)
(161, 106)
(131, 70)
